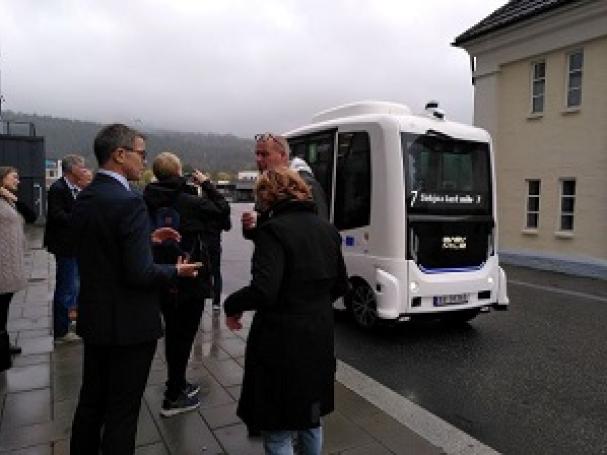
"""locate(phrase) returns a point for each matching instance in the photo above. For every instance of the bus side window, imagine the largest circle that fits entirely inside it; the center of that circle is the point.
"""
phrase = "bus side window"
(317, 152)
(298, 150)
(353, 181)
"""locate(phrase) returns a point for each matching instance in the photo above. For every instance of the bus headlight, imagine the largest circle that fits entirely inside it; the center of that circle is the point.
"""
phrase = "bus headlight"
(490, 280)
(413, 286)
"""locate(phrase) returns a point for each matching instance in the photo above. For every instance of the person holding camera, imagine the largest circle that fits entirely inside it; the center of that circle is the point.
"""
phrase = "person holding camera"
(186, 205)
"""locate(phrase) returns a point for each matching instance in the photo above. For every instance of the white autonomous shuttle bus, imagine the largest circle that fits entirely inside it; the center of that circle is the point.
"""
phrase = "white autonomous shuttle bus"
(414, 199)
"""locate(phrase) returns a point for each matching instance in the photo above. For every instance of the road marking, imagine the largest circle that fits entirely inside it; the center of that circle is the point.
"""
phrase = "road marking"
(583, 295)
(450, 439)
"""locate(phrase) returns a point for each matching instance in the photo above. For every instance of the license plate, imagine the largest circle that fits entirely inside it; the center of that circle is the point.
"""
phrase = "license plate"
(453, 299)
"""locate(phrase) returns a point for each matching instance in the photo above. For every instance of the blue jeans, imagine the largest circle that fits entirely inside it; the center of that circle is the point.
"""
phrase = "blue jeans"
(309, 442)
(67, 286)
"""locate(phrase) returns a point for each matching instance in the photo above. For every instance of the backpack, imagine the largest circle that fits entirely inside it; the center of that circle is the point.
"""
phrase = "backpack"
(191, 246)
(168, 251)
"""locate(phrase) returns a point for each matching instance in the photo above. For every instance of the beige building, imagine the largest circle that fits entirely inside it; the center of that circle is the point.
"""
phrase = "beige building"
(540, 77)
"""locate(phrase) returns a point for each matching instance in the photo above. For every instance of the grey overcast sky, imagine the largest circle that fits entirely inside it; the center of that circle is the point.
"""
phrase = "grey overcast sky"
(232, 66)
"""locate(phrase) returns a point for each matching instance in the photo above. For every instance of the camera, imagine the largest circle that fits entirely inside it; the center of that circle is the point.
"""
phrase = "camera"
(191, 186)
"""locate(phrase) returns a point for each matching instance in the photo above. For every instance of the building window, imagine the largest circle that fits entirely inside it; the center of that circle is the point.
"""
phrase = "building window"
(538, 86)
(567, 204)
(533, 204)
(575, 63)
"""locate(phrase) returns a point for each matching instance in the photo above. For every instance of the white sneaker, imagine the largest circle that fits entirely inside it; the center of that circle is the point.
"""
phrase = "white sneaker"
(69, 337)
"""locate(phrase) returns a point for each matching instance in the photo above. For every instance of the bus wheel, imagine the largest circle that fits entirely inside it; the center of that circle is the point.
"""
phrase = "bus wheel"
(460, 317)
(363, 305)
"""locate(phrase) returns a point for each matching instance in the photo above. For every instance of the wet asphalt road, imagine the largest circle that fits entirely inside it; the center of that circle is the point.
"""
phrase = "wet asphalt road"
(527, 381)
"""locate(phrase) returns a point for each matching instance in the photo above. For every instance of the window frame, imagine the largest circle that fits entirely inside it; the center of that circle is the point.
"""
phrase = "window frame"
(345, 213)
(533, 80)
(306, 140)
(562, 197)
(569, 72)
(528, 198)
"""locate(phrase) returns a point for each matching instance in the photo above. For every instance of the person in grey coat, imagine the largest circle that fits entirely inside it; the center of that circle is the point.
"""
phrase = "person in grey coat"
(13, 214)
(297, 272)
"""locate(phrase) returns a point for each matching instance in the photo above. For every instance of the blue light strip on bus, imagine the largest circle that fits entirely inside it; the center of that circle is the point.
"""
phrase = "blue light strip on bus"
(454, 269)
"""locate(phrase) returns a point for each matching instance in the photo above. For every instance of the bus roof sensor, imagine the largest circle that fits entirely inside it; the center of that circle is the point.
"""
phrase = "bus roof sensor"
(434, 111)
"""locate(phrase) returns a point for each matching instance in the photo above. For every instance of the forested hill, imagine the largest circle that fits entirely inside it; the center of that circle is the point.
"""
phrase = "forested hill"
(210, 152)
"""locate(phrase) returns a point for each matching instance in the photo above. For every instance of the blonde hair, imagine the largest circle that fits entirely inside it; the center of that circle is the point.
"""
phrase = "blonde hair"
(166, 165)
(279, 184)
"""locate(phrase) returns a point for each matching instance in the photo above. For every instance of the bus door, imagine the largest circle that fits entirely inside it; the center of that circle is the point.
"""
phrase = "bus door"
(346, 180)
(352, 201)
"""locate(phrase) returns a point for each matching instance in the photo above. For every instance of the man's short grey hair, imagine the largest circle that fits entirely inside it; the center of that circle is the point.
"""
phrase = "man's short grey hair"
(112, 137)
(69, 161)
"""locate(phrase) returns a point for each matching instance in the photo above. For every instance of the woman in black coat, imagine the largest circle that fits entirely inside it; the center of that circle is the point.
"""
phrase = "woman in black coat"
(297, 272)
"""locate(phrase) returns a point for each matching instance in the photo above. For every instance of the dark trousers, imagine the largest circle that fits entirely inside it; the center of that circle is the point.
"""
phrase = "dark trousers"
(181, 322)
(215, 258)
(113, 381)
(67, 286)
(5, 300)
(5, 355)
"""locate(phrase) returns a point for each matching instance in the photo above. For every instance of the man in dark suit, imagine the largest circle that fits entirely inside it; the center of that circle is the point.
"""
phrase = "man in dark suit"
(57, 239)
(118, 315)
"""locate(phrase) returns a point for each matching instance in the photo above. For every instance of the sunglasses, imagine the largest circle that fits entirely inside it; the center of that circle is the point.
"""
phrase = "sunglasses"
(141, 153)
(264, 137)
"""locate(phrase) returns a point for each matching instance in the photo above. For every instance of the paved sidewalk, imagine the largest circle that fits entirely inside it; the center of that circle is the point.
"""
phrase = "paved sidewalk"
(38, 395)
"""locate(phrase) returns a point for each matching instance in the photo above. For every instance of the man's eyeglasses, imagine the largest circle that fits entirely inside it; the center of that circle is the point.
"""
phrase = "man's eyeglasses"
(264, 137)
(141, 153)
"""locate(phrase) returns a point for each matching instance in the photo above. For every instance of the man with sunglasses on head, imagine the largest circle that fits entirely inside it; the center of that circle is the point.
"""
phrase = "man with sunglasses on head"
(272, 151)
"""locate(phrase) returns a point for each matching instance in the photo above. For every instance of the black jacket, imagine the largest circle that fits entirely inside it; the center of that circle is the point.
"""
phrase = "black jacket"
(318, 195)
(57, 233)
(199, 216)
(297, 272)
(216, 224)
(26, 212)
(196, 212)
(119, 282)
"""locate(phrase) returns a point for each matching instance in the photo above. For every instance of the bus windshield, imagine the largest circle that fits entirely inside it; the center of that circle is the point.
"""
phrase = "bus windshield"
(446, 175)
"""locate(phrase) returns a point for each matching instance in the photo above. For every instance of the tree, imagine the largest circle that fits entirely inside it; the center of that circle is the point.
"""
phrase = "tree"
(222, 175)
(146, 177)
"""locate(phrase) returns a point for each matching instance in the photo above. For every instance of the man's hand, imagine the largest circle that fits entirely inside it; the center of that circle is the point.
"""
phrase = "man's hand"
(6, 194)
(233, 322)
(187, 269)
(248, 220)
(199, 177)
(165, 233)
